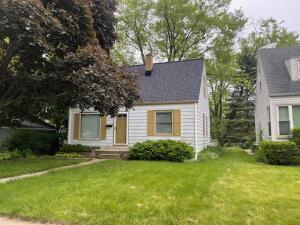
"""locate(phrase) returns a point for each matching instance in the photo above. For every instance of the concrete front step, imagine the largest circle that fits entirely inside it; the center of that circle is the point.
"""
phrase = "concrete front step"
(116, 152)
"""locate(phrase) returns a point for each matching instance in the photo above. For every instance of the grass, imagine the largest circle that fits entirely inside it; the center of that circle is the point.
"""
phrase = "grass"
(14, 167)
(230, 190)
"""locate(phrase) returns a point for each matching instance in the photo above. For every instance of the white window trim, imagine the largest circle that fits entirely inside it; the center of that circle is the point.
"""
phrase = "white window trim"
(290, 119)
(164, 134)
(90, 139)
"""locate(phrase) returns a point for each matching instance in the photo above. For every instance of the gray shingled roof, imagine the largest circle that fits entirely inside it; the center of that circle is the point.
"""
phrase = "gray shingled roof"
(277, 76)
(170, 81)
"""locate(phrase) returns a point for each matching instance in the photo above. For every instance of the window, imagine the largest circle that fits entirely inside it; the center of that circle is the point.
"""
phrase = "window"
(90, 126)
(284, 120)
(296, 116)
(164, 123)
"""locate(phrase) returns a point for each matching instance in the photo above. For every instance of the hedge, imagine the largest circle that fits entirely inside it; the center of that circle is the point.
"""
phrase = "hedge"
(278, 153)
(168, 150)
(35, 141)
(296, 133)
(75, 148)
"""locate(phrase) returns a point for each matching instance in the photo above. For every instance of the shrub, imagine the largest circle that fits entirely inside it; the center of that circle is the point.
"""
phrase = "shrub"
(169, 150)
(75, 148)
(66, 155)
(278, 153)
(15, 154)
(211, 152)
(36, 141)
(296, 133)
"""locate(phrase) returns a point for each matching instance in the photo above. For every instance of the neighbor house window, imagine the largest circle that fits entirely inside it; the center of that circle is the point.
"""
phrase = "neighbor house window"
(284, 120)
(296, 116)
(90, 126)
(164, 123)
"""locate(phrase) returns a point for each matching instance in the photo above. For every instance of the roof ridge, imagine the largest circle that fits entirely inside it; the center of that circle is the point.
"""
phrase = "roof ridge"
(278, 48)
(185, 60)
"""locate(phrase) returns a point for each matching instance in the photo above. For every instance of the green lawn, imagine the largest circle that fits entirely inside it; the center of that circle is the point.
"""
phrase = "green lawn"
(16, 167)
(230, 190)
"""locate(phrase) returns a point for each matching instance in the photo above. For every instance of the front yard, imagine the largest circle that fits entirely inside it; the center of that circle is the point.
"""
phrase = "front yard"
(14, 167)
(233, 189)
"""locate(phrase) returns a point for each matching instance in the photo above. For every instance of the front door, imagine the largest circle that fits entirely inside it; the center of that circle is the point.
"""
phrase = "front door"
(121, 129)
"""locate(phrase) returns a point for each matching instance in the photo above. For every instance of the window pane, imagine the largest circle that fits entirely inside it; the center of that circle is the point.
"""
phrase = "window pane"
(164, 128)
(164, 122)
(296, 116)
(164, 117)
(90, 126)
(284, 127)
(284, 113)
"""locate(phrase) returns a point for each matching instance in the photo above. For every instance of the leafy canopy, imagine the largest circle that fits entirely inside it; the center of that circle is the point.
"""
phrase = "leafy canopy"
(54, 55)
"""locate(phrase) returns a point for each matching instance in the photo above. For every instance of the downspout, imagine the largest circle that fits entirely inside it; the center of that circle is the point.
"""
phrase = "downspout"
(195, 131)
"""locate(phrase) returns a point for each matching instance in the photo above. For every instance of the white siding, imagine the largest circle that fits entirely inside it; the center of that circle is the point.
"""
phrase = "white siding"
(262, 104)
(138, 123)
(275, 102)
(202, 107)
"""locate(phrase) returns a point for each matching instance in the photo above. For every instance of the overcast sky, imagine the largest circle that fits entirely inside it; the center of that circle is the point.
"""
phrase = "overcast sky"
(282, 10)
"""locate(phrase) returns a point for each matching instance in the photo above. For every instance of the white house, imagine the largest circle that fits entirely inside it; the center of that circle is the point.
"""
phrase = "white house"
(174, 106)
(278, 92)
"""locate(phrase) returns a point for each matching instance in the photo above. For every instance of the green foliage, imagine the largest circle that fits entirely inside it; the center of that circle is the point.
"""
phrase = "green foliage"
(55, 55)
(161, 150)
(68, 155)
(37, 142)
(211, 153)
(296, 133)
(15, 154)
(278, 153)
(75, 148)
(176, 29)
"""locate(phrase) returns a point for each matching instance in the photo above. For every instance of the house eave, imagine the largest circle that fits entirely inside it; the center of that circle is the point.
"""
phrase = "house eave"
(167, 102)
(285, 94)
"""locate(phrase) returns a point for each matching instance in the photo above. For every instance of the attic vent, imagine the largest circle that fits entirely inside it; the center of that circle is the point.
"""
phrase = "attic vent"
(293, 66)
(149, 64)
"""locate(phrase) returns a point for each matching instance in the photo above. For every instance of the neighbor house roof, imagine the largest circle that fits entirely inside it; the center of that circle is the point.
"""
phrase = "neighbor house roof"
(36, 125)
(169, 81)
(276, 73)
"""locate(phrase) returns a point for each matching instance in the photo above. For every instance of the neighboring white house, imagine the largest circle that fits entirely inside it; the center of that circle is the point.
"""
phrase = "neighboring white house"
(278, 92)
(174, 106)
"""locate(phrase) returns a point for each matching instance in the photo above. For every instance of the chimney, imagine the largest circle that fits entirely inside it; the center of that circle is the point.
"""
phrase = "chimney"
(149, 64)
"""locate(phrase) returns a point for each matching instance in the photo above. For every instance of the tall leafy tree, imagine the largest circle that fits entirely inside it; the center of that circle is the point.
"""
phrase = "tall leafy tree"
(176, 29)
(54, 55)
(269, 33)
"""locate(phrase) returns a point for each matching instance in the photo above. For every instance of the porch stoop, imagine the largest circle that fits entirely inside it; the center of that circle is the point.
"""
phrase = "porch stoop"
(115, 152)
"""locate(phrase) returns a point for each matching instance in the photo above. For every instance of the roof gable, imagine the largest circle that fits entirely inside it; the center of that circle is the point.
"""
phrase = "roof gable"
(276, 73)
(170, 81)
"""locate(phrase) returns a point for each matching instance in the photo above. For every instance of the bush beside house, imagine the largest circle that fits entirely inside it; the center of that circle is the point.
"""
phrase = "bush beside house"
(35, 141)
(278, 153)
(168, 150)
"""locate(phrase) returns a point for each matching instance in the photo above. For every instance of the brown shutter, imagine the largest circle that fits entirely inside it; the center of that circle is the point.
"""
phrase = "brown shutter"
(103, 128)
(76, 131)
(150, 123)
(176, 123)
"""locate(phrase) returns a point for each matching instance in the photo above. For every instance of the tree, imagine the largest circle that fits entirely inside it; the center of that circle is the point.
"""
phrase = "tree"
(176, 29)
(270, 33)
(222, 75)
(54, 55)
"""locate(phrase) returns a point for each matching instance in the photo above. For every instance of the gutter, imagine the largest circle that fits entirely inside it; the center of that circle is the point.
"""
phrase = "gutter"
(285, 94)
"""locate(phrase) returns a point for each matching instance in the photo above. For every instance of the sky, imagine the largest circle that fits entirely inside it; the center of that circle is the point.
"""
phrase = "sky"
(282, 10)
